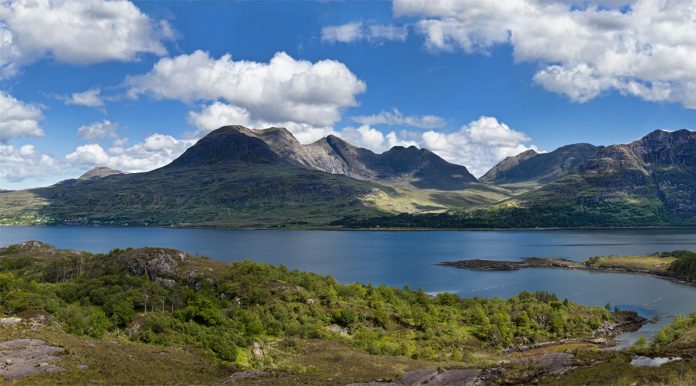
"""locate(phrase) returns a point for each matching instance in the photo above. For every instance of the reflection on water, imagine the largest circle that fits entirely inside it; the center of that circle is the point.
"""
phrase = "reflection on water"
(408, 258)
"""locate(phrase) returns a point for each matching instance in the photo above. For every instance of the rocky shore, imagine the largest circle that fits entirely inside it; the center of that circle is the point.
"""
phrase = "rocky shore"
(502, 265)
(554, 262)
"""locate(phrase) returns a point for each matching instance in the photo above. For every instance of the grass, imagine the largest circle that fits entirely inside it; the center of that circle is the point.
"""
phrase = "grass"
(651, 263)
(608, 368)
(410, 200)
(320, 362)
(114, 359)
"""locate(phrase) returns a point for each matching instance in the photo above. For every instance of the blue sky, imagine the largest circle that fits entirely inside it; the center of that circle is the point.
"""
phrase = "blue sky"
(472, 81)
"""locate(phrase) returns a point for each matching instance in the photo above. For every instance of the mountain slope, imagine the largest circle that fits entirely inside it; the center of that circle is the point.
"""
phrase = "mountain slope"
(409, 167)
(228, 178)
(651, 181)
(532, 167)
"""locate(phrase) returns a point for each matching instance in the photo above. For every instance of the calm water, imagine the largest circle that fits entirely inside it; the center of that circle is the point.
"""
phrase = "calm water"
(407, 258)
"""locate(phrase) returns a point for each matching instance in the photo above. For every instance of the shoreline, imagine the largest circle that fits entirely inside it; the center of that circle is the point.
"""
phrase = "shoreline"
(326, 228)
(555, 263)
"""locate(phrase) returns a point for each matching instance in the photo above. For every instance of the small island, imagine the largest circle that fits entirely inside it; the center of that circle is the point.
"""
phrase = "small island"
(677, 265)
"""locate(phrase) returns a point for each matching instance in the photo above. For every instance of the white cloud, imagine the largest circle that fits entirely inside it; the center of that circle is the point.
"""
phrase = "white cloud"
(77, 32)
(21, 163)
(373, 139)
(155, 151)
(643, 48)
(98, 131)
(477, 145)
(344, 33)
(18, 119)
(390, 32)
(89, 98)
(357, 31)
(92, 154)
(220, 114)
(282, 90)
(395, 117)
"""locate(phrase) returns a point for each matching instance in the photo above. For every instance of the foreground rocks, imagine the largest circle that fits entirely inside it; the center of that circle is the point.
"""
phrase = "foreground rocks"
(430, 377)
(23, 357)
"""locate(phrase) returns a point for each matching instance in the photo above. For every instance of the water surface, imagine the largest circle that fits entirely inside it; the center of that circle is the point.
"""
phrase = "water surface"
(408, 258)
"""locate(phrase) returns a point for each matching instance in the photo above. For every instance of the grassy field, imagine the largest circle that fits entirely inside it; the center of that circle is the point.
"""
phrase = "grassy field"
(650, 263)
(114, 359)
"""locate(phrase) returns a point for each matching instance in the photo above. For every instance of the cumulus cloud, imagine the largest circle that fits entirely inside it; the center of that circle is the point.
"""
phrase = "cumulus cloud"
(373, 139)
(89, 98)
(97, 131)
(77, 32)
(155, 151)
(281, 90)
(357, 31)
(395, 118)
(478, 145)
(218, 114)
(20, 163)
(18, 119)
(642, 48)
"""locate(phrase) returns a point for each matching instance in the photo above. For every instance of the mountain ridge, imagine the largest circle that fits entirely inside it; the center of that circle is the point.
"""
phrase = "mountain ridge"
(539, 168)
(239, 177)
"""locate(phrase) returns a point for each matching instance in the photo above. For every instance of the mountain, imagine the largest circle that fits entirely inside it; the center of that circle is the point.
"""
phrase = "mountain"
(99, 172)
(401, 166)
(238, 177)
(646, 183)
(410, 167)
(532, 167)
(651, 181)
(231, 177)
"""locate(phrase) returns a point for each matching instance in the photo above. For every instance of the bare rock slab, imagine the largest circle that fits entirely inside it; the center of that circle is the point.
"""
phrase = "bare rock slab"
(23, 357)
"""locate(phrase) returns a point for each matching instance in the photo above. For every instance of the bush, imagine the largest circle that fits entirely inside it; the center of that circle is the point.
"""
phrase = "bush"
(80, 320)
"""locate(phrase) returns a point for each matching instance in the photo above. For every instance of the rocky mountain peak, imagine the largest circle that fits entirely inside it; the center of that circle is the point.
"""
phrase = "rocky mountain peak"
(227, 144)
(99, 172)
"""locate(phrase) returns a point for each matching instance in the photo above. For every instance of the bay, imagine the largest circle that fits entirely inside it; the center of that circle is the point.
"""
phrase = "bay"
(408, 259)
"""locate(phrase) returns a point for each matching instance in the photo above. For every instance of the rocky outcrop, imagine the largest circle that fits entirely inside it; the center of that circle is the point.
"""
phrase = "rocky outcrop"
(29, 246)
(158, 263)
(431, 377)
(23, 357)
